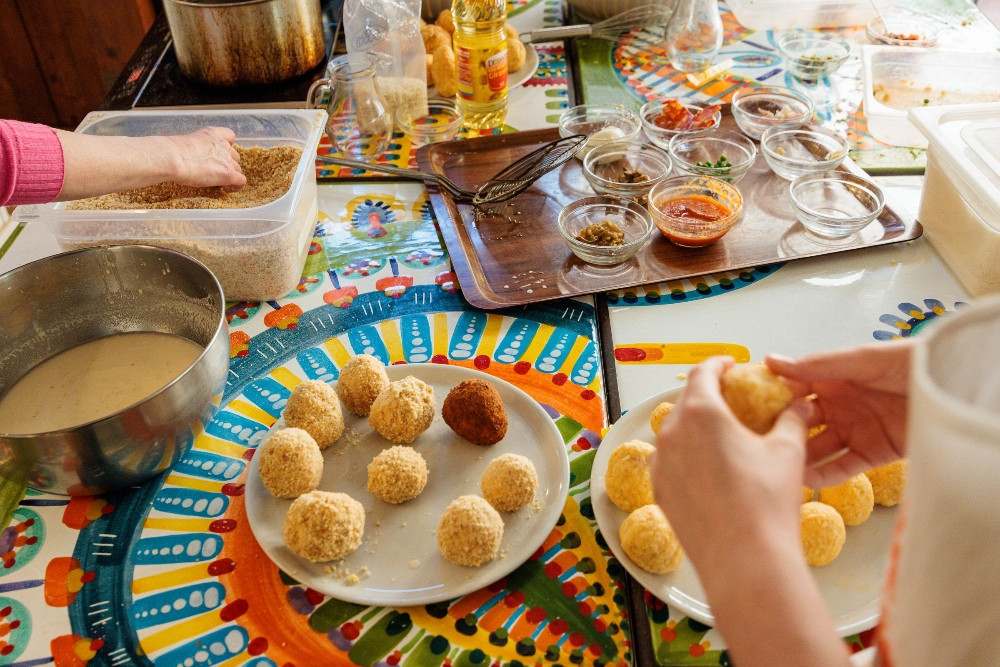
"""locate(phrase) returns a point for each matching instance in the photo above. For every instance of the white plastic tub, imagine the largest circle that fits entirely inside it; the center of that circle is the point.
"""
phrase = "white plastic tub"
(900, 78)
(256, 253)
(791, 14)
(960, 200)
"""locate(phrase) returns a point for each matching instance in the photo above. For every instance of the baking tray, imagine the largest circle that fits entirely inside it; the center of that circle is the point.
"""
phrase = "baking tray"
(512, 254)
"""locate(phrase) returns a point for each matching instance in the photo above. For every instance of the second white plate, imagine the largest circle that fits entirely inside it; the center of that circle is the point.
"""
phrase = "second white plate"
(398, 562)
(851, 585)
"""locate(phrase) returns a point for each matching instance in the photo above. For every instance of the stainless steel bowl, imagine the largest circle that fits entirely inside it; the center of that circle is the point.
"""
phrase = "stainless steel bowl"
(59, 302)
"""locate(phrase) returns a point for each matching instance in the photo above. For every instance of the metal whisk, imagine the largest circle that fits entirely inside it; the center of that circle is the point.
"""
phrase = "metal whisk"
(609, 29)
(506, 184)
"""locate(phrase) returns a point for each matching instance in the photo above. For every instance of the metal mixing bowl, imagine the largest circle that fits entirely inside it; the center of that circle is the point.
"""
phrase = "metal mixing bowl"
(62, 301)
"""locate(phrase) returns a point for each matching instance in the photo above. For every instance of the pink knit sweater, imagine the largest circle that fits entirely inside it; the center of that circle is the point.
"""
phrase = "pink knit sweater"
(32, 168)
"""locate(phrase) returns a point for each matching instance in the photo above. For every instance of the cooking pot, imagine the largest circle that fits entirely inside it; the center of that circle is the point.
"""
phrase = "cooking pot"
(245, 41)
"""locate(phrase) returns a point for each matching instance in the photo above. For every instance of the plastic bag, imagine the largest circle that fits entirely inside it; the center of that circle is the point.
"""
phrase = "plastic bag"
(390, 29)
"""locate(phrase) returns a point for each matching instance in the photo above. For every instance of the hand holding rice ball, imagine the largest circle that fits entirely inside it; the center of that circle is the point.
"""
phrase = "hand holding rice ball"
(755, 395)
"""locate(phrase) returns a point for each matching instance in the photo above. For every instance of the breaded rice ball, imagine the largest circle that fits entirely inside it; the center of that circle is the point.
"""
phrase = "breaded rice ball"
(853, 499)
(888, 482)
(755, 395)
(322, 526)
(397, 474)
(290, 463)
(808, 494)
(627, 479)
(509, 482)
(314, 407)
(822, 533)
(657, 415)
(650, 542)
(474, 410)
(403, 410)
(361, 380)
(469, 531)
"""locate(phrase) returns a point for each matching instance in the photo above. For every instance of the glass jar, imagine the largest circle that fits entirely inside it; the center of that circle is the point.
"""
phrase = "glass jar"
(694, 34)
(359, 124)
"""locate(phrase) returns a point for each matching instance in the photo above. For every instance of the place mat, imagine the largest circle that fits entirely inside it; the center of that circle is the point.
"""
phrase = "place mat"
(513, 254)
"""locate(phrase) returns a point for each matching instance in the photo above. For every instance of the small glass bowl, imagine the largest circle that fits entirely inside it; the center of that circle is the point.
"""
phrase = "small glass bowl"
(791, 152)
(812, 56)
(756, 109)
(602, 123)
(431, 121)
(662, 136)
(906, 31)
(692, 232)
(835, 204)
(724, 154)
(626, 170)
(630, 217)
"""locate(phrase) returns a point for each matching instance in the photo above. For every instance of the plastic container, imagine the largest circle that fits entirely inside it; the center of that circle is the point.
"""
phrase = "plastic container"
(789, 14)
(256, 253)
(960, 200)
(899, 78)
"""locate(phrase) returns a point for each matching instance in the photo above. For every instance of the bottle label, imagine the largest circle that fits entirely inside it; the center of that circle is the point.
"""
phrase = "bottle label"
(482, 72)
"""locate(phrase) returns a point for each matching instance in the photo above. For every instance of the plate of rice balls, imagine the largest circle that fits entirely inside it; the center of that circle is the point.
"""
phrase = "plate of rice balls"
(405, 484)
(846, 530)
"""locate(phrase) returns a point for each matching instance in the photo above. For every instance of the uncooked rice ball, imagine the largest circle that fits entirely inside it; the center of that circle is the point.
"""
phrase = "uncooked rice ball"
(509, 482)
(322, 526)
(314, 407)
(627, 480)
(361, 380)
(469, 531)
(755, 395)
(822, 533)
(290, 463)
(853, 499)
(657, 415)
(888, 482)
(397, 474)
(403, 410)
(474, 410)
(650, 542)
(808, 494)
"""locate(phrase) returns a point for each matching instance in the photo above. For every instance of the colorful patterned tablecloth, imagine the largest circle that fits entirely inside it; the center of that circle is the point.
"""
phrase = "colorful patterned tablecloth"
(635, 69)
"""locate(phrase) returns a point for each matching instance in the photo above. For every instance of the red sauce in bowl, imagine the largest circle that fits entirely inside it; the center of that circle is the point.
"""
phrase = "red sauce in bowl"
(698, 210)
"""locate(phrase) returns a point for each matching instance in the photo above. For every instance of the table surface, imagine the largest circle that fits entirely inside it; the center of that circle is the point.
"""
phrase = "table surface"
(169, 572)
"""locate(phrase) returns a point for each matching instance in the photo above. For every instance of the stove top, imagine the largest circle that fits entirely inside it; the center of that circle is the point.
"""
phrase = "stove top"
(153, 79)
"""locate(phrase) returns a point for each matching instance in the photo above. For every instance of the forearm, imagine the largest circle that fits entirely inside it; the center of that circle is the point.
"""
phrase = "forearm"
(98, 165)
(769, 610)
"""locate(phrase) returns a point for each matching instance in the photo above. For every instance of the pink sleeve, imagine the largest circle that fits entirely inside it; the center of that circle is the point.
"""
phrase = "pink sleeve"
(32, 168)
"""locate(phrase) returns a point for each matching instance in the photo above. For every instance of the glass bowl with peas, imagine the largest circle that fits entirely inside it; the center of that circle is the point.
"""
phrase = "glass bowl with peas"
(724, 154)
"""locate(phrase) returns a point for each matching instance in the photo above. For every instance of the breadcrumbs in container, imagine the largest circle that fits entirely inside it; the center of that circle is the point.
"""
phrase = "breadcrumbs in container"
(627, 479)
(509, 482)
(322, 526)
(469, 531)
(397, 474)
(255, 240)
(314, 407)
(650, 542)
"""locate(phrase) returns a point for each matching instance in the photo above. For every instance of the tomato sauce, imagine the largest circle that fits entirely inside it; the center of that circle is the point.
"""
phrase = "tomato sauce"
(695, 209)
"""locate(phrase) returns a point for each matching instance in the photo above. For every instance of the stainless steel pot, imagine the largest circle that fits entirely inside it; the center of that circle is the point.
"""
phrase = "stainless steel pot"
(246, 41)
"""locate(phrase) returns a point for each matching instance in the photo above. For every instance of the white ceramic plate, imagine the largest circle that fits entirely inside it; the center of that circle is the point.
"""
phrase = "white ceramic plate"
(399, 548)
(514, 79)
(851, 584)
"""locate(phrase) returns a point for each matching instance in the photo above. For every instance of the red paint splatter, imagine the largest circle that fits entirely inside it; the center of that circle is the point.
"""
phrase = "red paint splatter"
(522, 367)
(234, 610)
(221, 566)
(248, 454)
(313, 597)
(535, 615)
(222, 525)
(553, 570)
(577, 639)
(257, 646)
(439, 359)
(627, 354)
(583, 444)
(514, 599)
(482, 362)
(96, 645)
(600, 625)
(595, 650)
(586, 607)
(559, 379)
(558, 627)
(88, 576)
(696, 650)
(588, 394)
(349, 631)
(231, 489)
(668, 634)
(569, 589)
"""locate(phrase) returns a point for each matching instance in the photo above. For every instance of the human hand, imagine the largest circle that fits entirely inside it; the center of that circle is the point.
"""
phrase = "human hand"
(719, 483)
(206, 157)
(861, 397)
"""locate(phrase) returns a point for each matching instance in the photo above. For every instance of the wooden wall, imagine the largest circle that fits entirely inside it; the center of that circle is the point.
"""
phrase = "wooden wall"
(59, 58)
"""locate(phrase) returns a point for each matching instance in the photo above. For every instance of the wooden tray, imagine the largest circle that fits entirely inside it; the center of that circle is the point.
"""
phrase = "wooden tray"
(512, 253)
